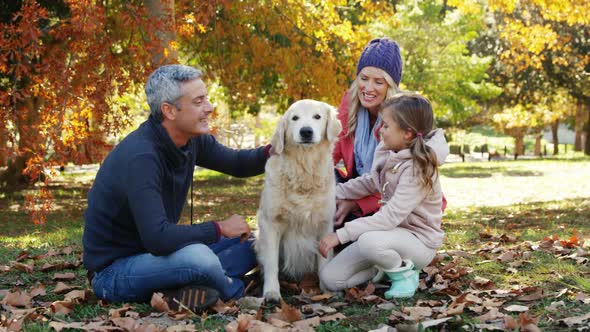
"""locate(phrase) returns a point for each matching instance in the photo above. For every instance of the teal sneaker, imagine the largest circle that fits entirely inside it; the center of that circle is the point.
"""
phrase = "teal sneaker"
(404, 281)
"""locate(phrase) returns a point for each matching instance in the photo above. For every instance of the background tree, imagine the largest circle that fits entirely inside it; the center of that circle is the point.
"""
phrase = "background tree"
(61, 65)
(543, 46)
(274, 52)
(434, 39)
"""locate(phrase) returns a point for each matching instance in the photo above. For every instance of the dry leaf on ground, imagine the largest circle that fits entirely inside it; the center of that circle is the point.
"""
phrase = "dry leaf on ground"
(17, 299)
(577, 320)
(64, 276)
(61, 288)
(62, 307)
(157, 302)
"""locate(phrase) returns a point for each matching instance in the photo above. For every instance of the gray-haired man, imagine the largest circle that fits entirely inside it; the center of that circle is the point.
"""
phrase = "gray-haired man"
(133, 245)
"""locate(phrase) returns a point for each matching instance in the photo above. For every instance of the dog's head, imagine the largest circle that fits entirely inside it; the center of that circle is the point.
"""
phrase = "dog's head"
(306, 122)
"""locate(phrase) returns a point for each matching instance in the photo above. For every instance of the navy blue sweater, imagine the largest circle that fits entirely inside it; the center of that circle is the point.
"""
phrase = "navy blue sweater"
(140, 189)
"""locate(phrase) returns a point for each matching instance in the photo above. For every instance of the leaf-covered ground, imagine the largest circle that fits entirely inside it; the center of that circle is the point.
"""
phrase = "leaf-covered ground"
(516, 257)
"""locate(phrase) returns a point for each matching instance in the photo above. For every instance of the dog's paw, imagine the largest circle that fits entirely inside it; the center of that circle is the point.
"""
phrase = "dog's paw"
(272, 297)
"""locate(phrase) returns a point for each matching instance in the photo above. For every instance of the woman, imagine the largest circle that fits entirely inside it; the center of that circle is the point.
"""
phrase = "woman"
(379, 73)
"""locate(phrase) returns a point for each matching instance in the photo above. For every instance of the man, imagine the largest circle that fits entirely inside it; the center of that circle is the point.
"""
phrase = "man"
(133, 245)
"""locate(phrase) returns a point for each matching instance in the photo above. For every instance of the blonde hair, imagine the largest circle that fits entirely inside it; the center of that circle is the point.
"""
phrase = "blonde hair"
(413, 112)
(355, 103)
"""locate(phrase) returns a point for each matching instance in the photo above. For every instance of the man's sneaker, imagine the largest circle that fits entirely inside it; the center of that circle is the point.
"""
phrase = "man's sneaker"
(195, 297)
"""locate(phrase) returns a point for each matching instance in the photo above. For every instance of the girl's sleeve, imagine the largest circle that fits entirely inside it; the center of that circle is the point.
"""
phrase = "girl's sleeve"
(357, 188)
(409, 193)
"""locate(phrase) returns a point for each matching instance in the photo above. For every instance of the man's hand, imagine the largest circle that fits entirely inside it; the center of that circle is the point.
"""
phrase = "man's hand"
(327, 243)
(343, 208)
(234, 226)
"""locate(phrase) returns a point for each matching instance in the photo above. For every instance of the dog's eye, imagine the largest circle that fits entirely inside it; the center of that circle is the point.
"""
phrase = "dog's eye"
(317, 116)
(295, 118)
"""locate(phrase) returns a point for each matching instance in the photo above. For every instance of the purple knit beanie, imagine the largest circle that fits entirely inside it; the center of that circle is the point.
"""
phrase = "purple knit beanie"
(382, 53)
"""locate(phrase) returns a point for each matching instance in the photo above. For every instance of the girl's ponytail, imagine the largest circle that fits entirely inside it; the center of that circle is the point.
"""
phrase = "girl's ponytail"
(425, 161)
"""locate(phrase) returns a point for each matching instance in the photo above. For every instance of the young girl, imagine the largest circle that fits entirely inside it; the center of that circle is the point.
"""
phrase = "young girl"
(403, 236)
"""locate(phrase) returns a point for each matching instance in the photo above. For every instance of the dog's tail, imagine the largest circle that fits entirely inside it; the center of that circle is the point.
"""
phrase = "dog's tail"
(299, 255)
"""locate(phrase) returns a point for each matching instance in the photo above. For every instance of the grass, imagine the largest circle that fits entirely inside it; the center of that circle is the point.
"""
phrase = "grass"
(525, 199)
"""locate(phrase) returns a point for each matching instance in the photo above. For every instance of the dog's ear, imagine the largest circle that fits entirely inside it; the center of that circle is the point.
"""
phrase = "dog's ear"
(278, 138)
(333, 126)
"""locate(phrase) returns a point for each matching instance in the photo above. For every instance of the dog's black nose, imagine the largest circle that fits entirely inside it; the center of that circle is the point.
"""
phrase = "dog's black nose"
(306, 133)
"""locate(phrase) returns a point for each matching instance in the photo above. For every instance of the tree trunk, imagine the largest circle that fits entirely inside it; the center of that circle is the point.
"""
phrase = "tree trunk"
(519, 145)
(163, 13)
(4, 151)
(579, 125)
(554, 127)
(538, 138)
(27, 125)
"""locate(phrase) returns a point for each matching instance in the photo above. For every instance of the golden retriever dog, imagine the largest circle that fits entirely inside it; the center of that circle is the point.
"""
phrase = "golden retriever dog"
(297, 204)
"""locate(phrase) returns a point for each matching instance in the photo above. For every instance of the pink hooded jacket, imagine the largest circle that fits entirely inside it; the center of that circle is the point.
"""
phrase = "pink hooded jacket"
(405, 202)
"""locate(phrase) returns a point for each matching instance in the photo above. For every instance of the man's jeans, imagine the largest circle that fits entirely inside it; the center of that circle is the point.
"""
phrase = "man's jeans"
(135, 278)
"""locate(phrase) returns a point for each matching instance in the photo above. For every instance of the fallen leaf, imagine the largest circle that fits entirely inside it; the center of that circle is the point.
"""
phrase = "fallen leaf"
(492, 314)
(537, 295)
(64, 276)
(182, 328)
(157, 302)
(278, 323)
(62, 307)
(322, 297)
(482, 283)
(507, 256)
(225, 308)
(22, 256)
(384, 328)
(61, 288)
(508, 238)
(554, 306)
(397, 316)
(560, 293)
(510, 323)
(126, 323)
(584, 298)
(120, 312)
(317, 308)
(16, 321)
(241, 324)
(67, 250)
(577, 320)
(59, 266)
(493, 303)
(434, 322)
(74, 295)
(386, 306)
(334, 317)
(58, 326)
(22, 267)
(516, 308)
(38, 290)
(528, 323)
(287, 313)
(456, 309)
(337, 305)
(17, 299)
(4, 268)
(307, 323)
(417, 313)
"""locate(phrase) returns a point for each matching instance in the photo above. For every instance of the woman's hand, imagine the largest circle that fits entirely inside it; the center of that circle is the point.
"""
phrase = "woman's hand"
(327, 243)
(343, 208)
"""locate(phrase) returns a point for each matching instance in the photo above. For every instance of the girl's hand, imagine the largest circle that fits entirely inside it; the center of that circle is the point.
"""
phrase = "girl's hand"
(327, 243)
(343, 208)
